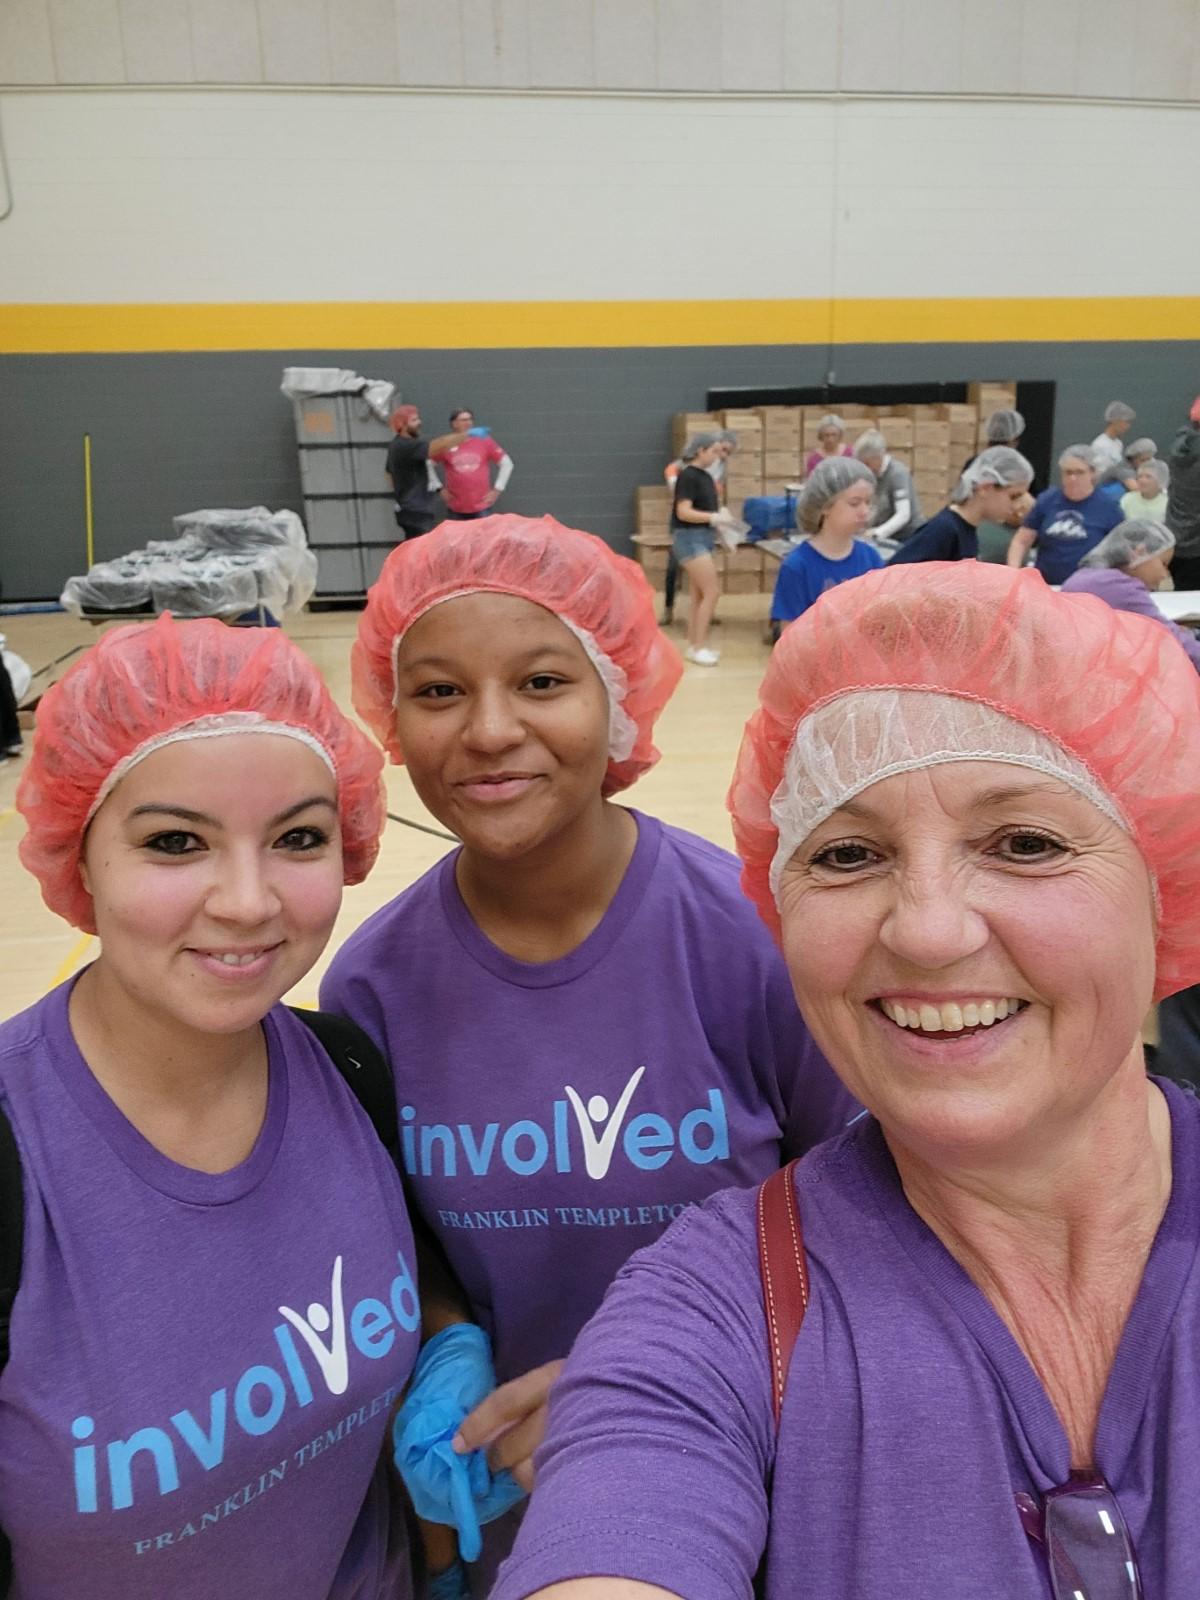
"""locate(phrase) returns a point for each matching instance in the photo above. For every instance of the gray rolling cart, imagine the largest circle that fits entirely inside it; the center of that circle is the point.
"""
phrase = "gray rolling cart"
(348, 505)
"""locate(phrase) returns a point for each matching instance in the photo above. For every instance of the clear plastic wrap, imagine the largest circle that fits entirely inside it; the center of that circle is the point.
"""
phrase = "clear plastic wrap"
(224, 563)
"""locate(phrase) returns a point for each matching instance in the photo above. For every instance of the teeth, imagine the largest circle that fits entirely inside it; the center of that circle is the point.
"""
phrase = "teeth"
(230, 959)
(950, 1017)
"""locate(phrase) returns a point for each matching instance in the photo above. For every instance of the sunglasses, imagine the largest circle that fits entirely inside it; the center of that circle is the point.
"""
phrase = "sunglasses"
(1088, 1547)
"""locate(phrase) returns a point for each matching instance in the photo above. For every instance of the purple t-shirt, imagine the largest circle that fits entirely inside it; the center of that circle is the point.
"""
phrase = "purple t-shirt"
(556, 1117)
(202, 1365)
(1123, 592)
(911, 1417)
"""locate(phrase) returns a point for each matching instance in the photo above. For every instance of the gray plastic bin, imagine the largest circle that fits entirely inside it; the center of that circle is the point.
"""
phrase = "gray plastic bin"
(340, 570)
(369, 463)
(377, 520)
(321, 419)
(364, 426)
(374, 555)
(331, 521)
(327, 471)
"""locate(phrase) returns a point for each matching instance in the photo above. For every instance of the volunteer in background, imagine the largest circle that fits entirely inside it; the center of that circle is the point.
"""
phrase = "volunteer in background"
(588, 1028)
(896, 512)
(727, 443)
(1001, 427)
(1107, 448)
(695, 508)
(466, 455)
(1066, 522)
(831, 438)
(991, 489)
(409, 470)
(1183, 500)
(1122, 570)
(834, 505)
(1149, 499)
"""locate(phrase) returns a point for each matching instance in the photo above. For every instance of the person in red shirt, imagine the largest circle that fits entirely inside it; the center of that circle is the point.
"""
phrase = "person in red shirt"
(465, 455)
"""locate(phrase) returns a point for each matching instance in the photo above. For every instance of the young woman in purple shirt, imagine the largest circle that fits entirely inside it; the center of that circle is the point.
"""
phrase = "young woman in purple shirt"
(966, 805)
(589, 1028)
(216, 1310)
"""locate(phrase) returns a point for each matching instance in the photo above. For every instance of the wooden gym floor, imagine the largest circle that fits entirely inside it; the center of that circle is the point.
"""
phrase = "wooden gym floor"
(698, 734)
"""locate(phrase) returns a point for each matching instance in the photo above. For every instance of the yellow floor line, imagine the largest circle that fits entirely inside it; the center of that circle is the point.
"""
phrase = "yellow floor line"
(6, 817)
(73, 960)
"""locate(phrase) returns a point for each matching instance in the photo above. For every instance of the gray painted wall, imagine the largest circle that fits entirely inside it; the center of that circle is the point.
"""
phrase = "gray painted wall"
(172, 433)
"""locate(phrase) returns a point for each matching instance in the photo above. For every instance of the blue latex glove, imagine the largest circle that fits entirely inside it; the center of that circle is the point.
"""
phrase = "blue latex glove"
(478, 433)
(452, 1584)
(452, 1375)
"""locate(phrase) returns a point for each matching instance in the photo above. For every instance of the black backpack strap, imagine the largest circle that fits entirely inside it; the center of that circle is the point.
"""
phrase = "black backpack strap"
(362, 1064)
(366, 1070)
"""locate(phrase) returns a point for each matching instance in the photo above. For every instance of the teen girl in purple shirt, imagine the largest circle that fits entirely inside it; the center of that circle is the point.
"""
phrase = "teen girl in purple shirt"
(590, 1030)
(217, 1309)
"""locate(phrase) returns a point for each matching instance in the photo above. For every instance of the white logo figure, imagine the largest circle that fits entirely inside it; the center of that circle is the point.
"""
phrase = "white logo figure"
(598, 1153)
(334, 1361)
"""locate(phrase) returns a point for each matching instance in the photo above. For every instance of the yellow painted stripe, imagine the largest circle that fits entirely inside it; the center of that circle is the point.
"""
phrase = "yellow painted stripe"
(549, 324)
(78, 951)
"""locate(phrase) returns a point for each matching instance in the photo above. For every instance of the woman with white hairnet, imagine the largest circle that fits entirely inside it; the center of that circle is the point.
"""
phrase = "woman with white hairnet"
(1124, 567)
(896, 512)
(952, 1352)
(1149, 499)
(1065, 523)
(831, 437)
(994, 483)
(834, 506)
(1107, 447)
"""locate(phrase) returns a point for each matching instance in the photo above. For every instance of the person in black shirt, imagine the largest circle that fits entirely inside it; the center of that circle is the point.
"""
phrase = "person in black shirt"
(695, 508)
(995, 483)
(407, 466)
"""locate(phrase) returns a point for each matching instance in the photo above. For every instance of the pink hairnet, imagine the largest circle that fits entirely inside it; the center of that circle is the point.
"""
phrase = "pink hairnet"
(1111, 689)
(140, 684)
(575, 575)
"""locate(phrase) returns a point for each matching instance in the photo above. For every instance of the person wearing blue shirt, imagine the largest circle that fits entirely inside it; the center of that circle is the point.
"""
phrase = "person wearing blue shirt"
(834, 505)
(992, 488)
(1066, 523)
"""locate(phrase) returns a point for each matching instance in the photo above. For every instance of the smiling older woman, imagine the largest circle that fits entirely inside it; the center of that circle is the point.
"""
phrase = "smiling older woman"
(966, 805)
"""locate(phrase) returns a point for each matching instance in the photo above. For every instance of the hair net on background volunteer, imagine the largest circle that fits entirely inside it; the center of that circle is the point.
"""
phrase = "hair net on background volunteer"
(1138, 539)
(999, 465)
(1118, 411)
(698, 442)
(913, 665)
(1004, 427)
(1140, 447)
(825, 482)
(870, 443)
(831, 421)
(1079, 452)
(603, 598)
(1159, 471)
(157, 683)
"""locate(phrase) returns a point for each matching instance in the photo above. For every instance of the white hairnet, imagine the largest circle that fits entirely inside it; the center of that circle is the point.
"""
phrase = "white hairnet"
(1118, 411)
(1079, 452)
(1130, 543)
(1140, 447)
(832, 420)
(698, 442)
(858, 739)
(833, 477)
(1159, 471)
(727, 436)
(1001, 465)
(871, 443)
(1004, 427)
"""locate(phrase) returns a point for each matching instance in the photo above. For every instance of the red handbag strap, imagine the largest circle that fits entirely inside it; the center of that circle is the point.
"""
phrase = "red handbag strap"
(784, 1272)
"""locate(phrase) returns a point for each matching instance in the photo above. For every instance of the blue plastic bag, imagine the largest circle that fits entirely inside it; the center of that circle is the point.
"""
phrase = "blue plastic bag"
(478, 433)
(452, 1375)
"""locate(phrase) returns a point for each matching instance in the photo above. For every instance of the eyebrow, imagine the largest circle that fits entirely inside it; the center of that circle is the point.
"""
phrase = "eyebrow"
(987, 801)
(184, 815)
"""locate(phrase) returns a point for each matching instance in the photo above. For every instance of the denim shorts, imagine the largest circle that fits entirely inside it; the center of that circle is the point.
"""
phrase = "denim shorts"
(688, 543)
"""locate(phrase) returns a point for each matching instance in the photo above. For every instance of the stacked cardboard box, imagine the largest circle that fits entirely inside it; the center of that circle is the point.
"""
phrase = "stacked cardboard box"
(652, 522)
(989, 397)
(686, 423)
(744, 472)
(744, 571)
(783, 447)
